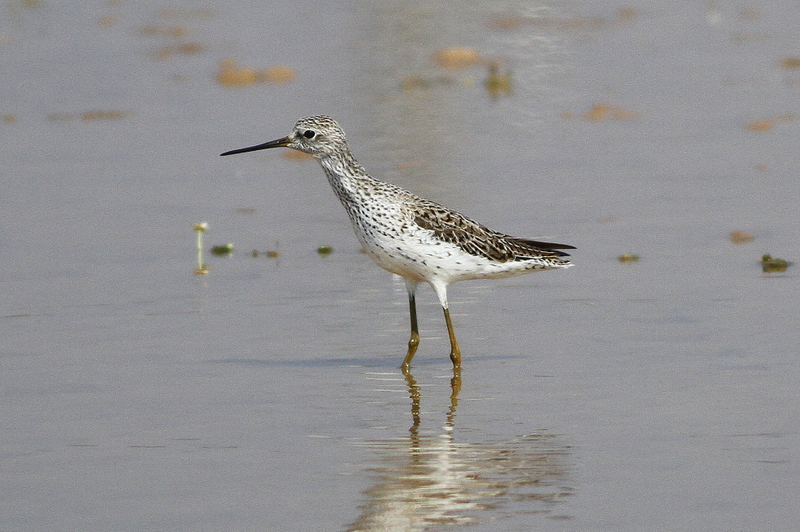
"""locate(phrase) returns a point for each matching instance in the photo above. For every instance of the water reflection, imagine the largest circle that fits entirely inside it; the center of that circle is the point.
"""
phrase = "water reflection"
(414, 392)
(426, 480)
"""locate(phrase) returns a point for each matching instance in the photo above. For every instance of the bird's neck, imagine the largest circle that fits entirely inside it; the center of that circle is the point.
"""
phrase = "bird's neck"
(347, 177)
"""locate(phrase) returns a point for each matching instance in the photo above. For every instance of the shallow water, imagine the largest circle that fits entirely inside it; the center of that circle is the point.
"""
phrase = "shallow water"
(658, 395)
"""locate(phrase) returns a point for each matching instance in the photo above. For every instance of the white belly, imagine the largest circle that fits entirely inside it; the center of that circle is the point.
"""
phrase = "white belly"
(420, 256)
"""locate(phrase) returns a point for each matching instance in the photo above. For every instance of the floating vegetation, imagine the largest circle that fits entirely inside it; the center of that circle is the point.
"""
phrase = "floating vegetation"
(199, 13)
(790, 63)
(230, 74)
(186, 48)
(741, 237)
(107, 21)
(277, 75)
(770, 265)
(768, 123)
(89, 116)
(271, 254)
(606, 111)
(627, 258)
(222, 251)
(324, 250)
(9, 118)
(497, 84)
(627, 14)
(506, 22)
(456, 58)
(152, 30)
(173, 32)
(27, 4)
(202, 268)
(760, 125)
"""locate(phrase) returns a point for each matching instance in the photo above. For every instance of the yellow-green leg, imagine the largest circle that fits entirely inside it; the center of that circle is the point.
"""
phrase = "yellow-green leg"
(455, 352)
(413, 342)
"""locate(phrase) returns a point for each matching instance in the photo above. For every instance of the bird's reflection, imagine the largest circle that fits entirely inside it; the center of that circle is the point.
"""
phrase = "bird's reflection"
(414, 392)
(429, 480)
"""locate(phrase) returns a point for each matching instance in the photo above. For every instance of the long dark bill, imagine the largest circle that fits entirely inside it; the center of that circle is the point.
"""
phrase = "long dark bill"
(277, 143)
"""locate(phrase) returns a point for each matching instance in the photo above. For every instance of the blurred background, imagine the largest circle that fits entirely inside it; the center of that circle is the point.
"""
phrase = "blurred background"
(652, 386)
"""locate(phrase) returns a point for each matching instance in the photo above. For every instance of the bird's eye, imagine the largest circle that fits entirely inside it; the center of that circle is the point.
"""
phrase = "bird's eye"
(309, 133)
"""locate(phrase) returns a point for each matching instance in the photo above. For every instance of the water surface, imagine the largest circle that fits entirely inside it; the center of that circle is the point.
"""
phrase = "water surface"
(658, 395)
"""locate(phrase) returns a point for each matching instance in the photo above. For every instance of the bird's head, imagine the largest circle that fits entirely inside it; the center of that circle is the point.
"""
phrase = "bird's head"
(319, 136)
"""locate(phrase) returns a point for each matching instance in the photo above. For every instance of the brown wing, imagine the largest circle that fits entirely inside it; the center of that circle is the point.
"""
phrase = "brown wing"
(478, 240)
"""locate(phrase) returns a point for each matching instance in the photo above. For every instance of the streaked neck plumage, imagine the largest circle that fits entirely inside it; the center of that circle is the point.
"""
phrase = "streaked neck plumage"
(346, 176)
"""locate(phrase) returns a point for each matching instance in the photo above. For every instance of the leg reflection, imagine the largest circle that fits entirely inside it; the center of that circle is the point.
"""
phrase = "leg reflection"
(455, 388)
(413, 391)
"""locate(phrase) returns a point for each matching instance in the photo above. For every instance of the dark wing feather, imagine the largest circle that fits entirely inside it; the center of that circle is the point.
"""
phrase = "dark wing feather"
(545, 245)
(478, 240)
